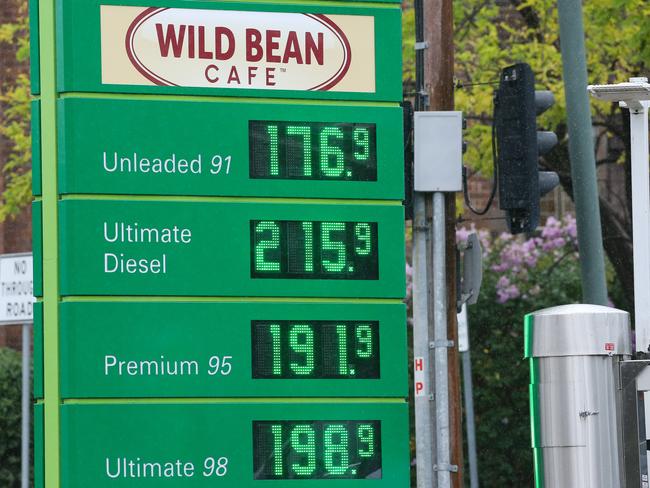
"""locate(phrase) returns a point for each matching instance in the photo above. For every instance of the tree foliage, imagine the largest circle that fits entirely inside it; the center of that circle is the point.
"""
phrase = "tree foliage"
(488, 37)
(15, 125)
(10, 418)
(522, 275)
(491, 35)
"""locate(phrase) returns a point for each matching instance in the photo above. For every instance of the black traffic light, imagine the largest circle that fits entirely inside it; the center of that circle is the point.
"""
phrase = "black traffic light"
(519, 145)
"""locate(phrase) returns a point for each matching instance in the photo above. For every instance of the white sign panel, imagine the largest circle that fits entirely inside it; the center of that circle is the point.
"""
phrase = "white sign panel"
(16, 288)
(237, 49)
(463, 331)
(419, 377)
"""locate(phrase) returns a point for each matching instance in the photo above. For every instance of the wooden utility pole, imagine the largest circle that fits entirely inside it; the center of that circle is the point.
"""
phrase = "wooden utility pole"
(439, 87)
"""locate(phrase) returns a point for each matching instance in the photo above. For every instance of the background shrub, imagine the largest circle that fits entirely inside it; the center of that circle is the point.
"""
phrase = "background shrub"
(521, 275)
(10, 417)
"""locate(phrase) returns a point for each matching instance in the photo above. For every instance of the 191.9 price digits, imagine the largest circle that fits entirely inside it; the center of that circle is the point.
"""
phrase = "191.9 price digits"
(315, 349)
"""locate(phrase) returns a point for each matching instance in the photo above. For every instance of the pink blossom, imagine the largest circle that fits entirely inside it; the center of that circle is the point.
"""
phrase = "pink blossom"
(552, 229)
(508, 293)
(570, 226)
(462, 234)
(515, 260)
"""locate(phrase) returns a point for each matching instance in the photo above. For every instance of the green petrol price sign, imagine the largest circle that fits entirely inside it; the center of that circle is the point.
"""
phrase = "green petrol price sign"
(241, 49)
(233, 445)
(231, 148)
(234, 349)
(231, 249)
(219, 244)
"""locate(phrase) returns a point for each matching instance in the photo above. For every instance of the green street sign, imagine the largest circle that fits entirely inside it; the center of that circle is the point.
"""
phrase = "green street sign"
(137, 350)
(233, 445)
(231, 148)
(341, 52)
(181, 248)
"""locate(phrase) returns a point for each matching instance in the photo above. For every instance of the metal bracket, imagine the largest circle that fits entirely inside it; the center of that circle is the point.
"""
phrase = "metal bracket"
(469, 281)
(630, 370)
(464, 297)
(425, 97)
(446, 467)
(437, 344)
(419, 46)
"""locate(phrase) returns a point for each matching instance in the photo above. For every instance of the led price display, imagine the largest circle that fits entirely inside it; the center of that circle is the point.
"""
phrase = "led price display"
(312, 449)
(315, 349)
(311, 249)
(312, 151)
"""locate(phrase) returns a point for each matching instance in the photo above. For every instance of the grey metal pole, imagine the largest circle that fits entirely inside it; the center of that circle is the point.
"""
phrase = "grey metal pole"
(641, 223)
(26, 404)
(469, 418)
(468, 392)
(441, 344)
(424, 425)
(581, 150)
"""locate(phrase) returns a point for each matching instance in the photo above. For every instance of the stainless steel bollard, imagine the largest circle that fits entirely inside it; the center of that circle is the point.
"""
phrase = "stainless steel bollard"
(574, 353)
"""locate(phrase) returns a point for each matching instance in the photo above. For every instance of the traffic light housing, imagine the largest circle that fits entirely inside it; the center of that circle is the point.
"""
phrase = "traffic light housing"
(519, 145)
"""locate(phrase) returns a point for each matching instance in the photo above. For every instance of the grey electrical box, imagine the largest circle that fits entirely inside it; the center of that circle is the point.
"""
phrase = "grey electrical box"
(438, 142)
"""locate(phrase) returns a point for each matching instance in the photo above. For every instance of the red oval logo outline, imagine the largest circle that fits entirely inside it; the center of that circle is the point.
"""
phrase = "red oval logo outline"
(149, 12)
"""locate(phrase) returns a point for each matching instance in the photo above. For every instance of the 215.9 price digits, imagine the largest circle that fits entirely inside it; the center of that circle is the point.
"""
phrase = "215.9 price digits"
(347, 449)
(314, 249)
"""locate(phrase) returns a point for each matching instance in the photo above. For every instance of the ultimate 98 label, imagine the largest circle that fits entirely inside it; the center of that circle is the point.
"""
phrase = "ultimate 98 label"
(316, 449)
(314, 249)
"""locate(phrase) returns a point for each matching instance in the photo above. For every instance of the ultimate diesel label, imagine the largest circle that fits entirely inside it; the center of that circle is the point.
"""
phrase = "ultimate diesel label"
(224, 248)
(134, 233)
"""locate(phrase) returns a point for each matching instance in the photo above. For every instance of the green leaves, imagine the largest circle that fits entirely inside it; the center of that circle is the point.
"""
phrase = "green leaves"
(408, 46)
(490, 36)
(15, 99)
(10, 418)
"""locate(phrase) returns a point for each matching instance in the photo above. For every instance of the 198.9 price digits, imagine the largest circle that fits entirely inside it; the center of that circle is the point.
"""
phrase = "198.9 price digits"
(311, 449)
